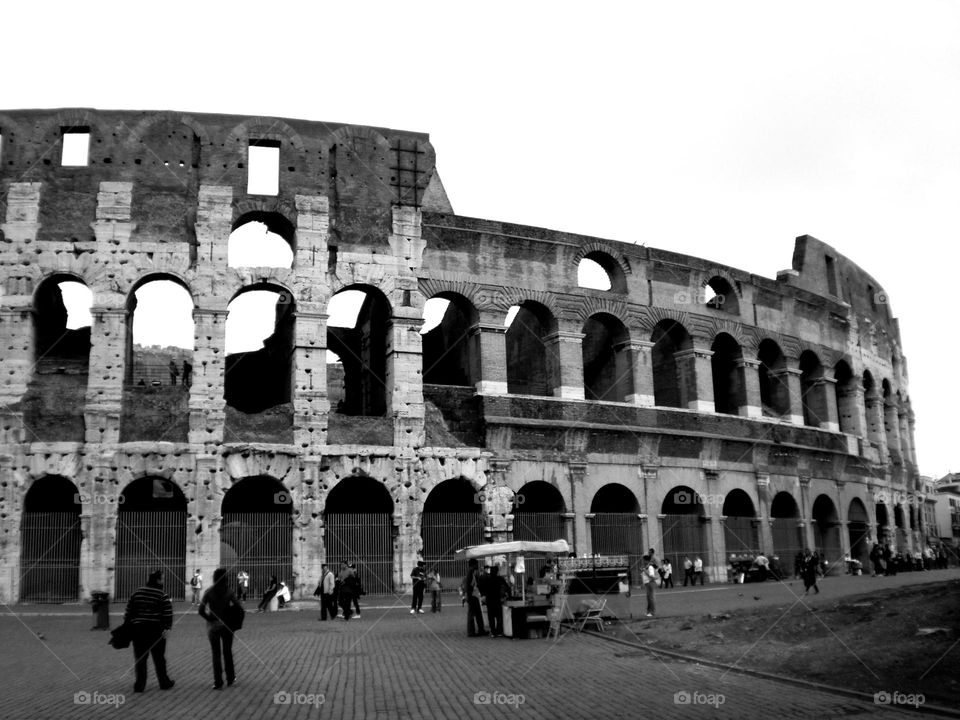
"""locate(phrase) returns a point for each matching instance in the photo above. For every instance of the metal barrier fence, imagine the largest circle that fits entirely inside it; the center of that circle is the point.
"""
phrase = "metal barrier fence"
(259, 543)
(787, 542)
(367, 540)
(147, 541)
(540, 527)
(50, 557)
(444, 534)
(619, 534)
(741, 535)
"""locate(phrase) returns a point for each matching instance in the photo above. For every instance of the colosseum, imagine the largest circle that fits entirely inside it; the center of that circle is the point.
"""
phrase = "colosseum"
(674, 403)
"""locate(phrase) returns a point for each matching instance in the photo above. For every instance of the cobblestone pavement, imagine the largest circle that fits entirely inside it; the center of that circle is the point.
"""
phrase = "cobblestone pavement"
(385, 665)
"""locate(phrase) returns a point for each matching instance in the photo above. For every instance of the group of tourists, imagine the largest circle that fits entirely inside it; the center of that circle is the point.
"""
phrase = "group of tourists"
(339, 593)
(424, 580)
(490, 588)
(888, 561)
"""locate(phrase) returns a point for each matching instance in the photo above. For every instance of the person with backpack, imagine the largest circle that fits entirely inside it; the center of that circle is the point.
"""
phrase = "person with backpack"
(217, 604)
(648, 578)
(470, 590)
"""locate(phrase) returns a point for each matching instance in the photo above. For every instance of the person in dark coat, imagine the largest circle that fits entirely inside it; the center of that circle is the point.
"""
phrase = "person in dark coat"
(419, 577)
(272, 589)
(809, 572)
(471, 593)
(213, 609)
(494, 590)
(348, 592)
(149, 614)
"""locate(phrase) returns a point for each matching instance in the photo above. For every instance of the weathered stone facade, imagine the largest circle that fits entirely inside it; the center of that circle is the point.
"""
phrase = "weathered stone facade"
(686, 379)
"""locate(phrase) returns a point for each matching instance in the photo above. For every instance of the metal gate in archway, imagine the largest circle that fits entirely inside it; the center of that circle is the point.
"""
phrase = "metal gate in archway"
(147, 541)
(444, 534)
(365, 539)
(741, 536)
(618, 534)
(260, 544)
(787, 541)
(684, 536)
(540, 527)
(50, 557)
(826, 537)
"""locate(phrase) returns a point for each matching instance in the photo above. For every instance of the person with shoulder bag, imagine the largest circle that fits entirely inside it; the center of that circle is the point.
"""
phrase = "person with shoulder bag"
(648, 578)
(224, 615)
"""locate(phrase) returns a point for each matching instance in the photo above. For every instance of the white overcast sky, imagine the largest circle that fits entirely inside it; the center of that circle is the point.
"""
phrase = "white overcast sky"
(719, 129)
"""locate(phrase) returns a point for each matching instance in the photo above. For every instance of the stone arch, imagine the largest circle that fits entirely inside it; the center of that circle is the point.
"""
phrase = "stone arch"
(826, 532)
(601, 248)
(359, 529)
(265, 129)
(50, 540)
(151, 535)
(671, 364)
(847, 398)
(812, 390)
(729, 381)
(145, 127)
(774, 390)
(451, 352)
(740, 531)
(531, 369)
(607, 359)
(682, 526)
(256, 531)
(615, 267)
(538, 512)
(787, 529)
(615, 527)
(451, 520)
(719, 292)
(858, 529)
(277, 249)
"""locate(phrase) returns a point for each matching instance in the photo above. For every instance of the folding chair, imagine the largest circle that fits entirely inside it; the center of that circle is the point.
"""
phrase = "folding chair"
(593, 615)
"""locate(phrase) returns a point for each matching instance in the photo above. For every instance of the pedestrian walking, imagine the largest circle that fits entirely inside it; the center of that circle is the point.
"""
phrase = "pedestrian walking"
(357, 590)
(435, 587)
(196, 586)
(666, 574)
(697, 570)
(809, 572)
(149, 614)
(470, 589)
(687, 571)
(326, 591)
(272, 589)
(648, 578)
(495, 590)
(214, 608)
(243, 581)
(419, 576)
(347, 591)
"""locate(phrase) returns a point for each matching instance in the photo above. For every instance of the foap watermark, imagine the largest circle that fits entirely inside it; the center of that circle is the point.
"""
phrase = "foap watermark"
(484, 697)
(895, 497)
(886, 697)
(479, 498)
(298, 698)
(96, 499)
(685, 297)
(686, 497)
(98, 698)
(282, 498)
(685, 697)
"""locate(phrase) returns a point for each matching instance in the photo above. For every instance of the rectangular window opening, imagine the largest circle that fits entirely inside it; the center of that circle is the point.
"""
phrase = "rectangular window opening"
(831, 275)
(76, 147)
(263, 167)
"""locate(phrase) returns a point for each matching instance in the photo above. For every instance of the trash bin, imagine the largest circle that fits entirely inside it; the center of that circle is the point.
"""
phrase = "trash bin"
(100, 602)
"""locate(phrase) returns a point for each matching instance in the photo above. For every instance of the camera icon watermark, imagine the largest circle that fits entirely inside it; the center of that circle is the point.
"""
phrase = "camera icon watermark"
(298, 698)
(685, 697)
(685, 297)
(282, 498)
(885, 697)
(687, 497)
(479, 498)
(483, 697)
(98, 698)
(96, 499)
(880, 298)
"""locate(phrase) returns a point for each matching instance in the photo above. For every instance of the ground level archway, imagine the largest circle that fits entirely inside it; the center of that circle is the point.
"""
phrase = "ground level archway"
(451, 520)
(358, 528)
(50, 538)
(787, 531)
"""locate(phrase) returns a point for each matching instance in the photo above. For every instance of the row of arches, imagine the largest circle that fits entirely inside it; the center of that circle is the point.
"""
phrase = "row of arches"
(360, 525)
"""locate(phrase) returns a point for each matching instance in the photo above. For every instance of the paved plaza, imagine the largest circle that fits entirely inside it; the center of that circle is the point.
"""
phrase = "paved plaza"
(390, 664)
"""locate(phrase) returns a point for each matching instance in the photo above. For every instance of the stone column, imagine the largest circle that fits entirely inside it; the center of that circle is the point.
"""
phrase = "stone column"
(822, 398)
(582, 539)
(851, 411)
(806, 512)
(108, 345)
(891, 424)
(403, 381)
(875, 431)
(311, 408)
(213, 227)
(653, 529)
(912, 432)
(489, 362)
(903, 425)
(790, 377)
(641, 367)
(564, 353)
(763, 496)
(750, 373)
(696, 378)
(716, 546)
(204, 513)
(207, 405)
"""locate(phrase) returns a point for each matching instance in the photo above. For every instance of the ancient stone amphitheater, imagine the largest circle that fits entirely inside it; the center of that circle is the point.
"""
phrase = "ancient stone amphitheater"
(677, 403)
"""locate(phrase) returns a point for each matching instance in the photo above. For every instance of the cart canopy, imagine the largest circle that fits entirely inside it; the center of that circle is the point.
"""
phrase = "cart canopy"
(521, 547)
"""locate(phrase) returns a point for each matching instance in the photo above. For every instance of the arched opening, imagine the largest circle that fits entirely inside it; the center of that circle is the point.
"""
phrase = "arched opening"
(900, 527)
(670, 372)
(451, 520)
(615, 528)
(450, 348)
(858, 529)
(357, 338)
(683, 527)
(883, 523)
(607, 371)
(826, 533)
(740, 532)
(891, 421)
(53, 406)
(787, 530)
(259, 365)
(720, 295)
(538, 513)
(50, 538)
(530, 367)
(159, 367)
(774, 393)
(599, 271)
(729, 388)
(261, 239)
(256, 532)
(848, 411)
(151, 535)
(358, 522)
(812, 389)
